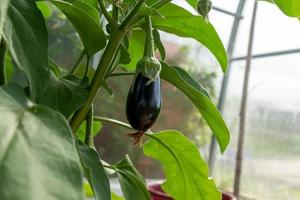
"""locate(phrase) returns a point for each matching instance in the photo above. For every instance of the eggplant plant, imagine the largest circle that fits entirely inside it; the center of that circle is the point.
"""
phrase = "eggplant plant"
(46, 113)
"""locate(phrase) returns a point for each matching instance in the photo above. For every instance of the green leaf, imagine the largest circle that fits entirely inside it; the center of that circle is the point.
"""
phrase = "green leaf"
(3, 10)
(186, 172)
(9, 67)
(85, 19)
(26, 36)
(95, 173)
(159, 44)
(65, 95)
(182, 23)
(132, 183)
(97, 126)
(124, 55)
(108, 88)
(44, 8)
(200, 98)
(289, 7)
(136, 48)
(146, 11)
(38, 157)
(88, 190)
(193, 3)
(114, 196)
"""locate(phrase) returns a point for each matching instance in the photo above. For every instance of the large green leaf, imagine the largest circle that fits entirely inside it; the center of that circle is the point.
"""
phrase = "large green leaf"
(200, 98)
(193, 3)
(186, 172)
(38, 157)
(26, 36)
(3, 10)
(132, 183)
(179, 21)
(85, 19)
(289, 7)
(65, 95)
(45, 9)
(95, 173)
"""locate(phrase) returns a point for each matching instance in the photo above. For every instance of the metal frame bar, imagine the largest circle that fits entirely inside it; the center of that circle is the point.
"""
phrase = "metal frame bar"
(269, 54)
(230, 49)
(227, 12)
(243, 109)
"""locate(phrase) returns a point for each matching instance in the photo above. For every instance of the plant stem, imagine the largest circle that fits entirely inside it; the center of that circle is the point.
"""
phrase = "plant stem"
(87, 66)
(161, 3)
(100, 73)
(77, 62)
(121, 74)
(115, 122)
(103, 66)
(106, 14)
(89, 126)
(2, 63)
(108, 166)
(149, 43)
(115, 13)
(112, 121)
(132, 14)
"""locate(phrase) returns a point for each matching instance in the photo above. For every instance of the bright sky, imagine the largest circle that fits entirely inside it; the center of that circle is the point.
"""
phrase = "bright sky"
(274, 80)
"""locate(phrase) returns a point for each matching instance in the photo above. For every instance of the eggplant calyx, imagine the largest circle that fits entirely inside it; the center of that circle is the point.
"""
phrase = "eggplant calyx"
(137, 137)
(149, 67)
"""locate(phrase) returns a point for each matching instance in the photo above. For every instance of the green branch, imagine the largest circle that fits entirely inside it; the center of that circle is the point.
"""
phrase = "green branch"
(112, 121)
(149, 44)
(115, 122)
(78, 61)
(132, 14)
(110, 20)
(103, 67)
(161, 3)
(121, 74)
(89, 126)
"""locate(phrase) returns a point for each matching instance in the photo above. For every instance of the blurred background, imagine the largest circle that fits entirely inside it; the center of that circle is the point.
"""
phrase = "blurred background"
(271, 153)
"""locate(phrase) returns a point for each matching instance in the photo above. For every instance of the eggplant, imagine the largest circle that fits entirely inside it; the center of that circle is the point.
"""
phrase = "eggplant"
(143, 103)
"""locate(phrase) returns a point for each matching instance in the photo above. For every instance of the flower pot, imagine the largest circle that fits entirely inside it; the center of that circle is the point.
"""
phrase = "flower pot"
(158, 194)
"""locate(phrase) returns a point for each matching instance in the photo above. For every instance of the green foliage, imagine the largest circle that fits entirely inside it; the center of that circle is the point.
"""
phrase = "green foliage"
(182, 23)
(26, 36)
(201, 100)
(186, 172)
(44, 8)
(3, 10)
(97, 126)
(132, 183)
(290, 8)
(38, 157)
(85, 19)
(38, 154)
(94, 172)
(135, 48)
(114, 196)
(65, 95)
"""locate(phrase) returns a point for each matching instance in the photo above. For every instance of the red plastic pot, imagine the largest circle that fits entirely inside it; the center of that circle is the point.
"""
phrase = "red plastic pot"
(158, 194)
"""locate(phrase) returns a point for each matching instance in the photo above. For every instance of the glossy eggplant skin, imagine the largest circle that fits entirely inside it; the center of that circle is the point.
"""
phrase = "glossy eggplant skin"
(143, 103)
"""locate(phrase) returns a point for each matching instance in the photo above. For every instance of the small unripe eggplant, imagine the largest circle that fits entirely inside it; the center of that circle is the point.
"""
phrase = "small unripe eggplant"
(143, 103)
(144, 100)
(203, 8)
